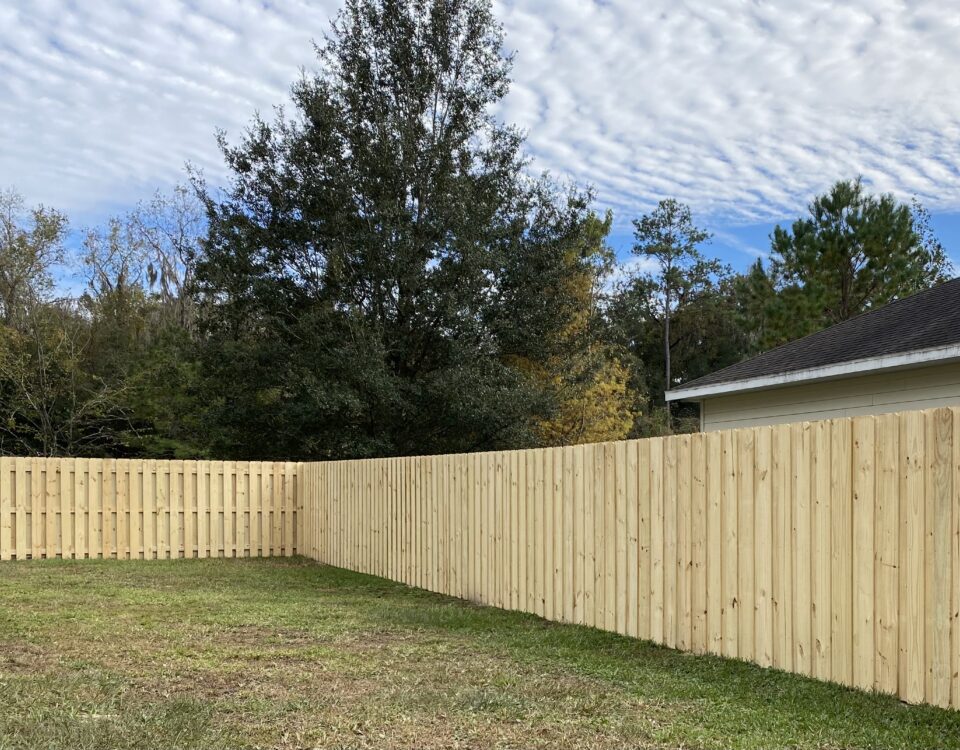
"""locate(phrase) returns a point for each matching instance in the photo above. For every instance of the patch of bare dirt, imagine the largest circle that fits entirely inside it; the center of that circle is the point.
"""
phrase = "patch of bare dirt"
(21, 657)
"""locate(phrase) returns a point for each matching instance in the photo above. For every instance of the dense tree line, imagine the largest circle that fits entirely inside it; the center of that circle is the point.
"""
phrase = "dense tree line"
(384, 274)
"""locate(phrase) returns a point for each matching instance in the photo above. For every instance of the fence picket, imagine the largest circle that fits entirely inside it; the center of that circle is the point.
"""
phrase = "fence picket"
(40, 506)
(23, 497)
(912, 579)
(746, 507)
(589, 614)
(632, 512)
(764, 539)
(7, 543)
(783, 502)
(821, 577)
(684, 551)
(669, 523)
(52, 504)
(939, 500)
(728, 546)
(887, 546)
(714, 542)
(863, 582)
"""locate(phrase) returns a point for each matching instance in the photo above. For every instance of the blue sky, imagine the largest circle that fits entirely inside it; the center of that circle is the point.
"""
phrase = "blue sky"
(740, 245)
(743, 109)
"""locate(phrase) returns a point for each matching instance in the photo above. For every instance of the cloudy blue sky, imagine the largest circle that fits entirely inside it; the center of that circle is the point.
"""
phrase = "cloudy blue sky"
(742, 108)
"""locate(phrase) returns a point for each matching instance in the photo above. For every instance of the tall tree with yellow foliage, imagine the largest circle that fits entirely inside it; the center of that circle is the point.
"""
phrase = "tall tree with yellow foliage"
(575, 362)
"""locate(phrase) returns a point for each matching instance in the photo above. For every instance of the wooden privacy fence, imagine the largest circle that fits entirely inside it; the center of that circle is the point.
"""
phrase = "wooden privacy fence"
(77, 508)
(831, 549)
(828, 548)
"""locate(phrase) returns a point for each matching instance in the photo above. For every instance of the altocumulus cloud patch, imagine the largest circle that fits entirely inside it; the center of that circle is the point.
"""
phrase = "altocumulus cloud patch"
(743, 110)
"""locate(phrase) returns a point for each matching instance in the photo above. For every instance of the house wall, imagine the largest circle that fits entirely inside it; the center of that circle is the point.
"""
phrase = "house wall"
(920, 388)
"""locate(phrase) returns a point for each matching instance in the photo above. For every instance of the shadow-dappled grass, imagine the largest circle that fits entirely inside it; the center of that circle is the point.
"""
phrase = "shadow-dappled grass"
(285, 653)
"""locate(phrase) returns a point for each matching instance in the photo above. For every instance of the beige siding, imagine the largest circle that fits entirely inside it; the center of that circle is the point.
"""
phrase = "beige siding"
(904, 390)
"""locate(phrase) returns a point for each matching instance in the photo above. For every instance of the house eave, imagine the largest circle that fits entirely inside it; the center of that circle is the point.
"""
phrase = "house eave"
(885, 363)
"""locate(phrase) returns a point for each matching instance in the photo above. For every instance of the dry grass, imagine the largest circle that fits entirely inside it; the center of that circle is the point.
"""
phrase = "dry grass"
(290, 654)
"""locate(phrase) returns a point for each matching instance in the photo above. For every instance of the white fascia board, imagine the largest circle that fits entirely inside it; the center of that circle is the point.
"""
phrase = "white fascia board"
(886, 363)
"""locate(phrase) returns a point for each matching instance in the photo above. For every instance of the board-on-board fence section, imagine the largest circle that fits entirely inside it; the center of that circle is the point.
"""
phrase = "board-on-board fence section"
(145, 509)
(831, 548)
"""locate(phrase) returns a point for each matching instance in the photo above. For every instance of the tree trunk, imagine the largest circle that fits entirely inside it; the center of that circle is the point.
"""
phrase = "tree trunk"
(666, 356)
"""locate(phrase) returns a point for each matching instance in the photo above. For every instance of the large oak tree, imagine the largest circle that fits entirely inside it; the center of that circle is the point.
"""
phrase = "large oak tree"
(375, 267)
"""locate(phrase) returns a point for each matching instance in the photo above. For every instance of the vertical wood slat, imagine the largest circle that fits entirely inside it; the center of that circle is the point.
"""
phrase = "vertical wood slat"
(189, 497)
(729, 548)
(886, 554)
(766, 537)
(827, 548)
(589, 535)
(609, 537)
(863, 574)
(684, 551)
(162, 508)
(632, 500)
(783, 505)
(259, 488)
(937, 564)
(714, 542)
(564, 556)
(77, 488)
(841, 545)
(135, 479)
(669, 525)
(203, 478)
(698, 541)
(7, 543)
(800, 455)
(528, 535)
(912, 578)
(51, 490)
(746, 533)
(65, 504)
(40, 506)
(955, 567)
(95, 498)
(246, 482)
(231, 478)
(820, 577)
(123, 510)
(149, 484)
(23, 498)
(274, 505)
(289, 497)
(656, 541)
(549, 533)
(108, 501)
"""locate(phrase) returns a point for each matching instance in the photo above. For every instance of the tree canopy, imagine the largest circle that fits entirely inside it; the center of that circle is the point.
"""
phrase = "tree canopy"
(852, 252)
(378, 264)
(382, 272)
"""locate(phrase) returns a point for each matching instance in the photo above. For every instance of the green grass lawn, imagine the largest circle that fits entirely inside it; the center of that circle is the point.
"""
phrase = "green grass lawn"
(291, 654)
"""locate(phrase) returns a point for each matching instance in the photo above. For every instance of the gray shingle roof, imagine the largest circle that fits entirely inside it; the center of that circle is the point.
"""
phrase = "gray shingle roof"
(925, 320)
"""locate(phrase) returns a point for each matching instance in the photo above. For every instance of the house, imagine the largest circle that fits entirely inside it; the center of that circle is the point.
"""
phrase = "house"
(902, 356)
